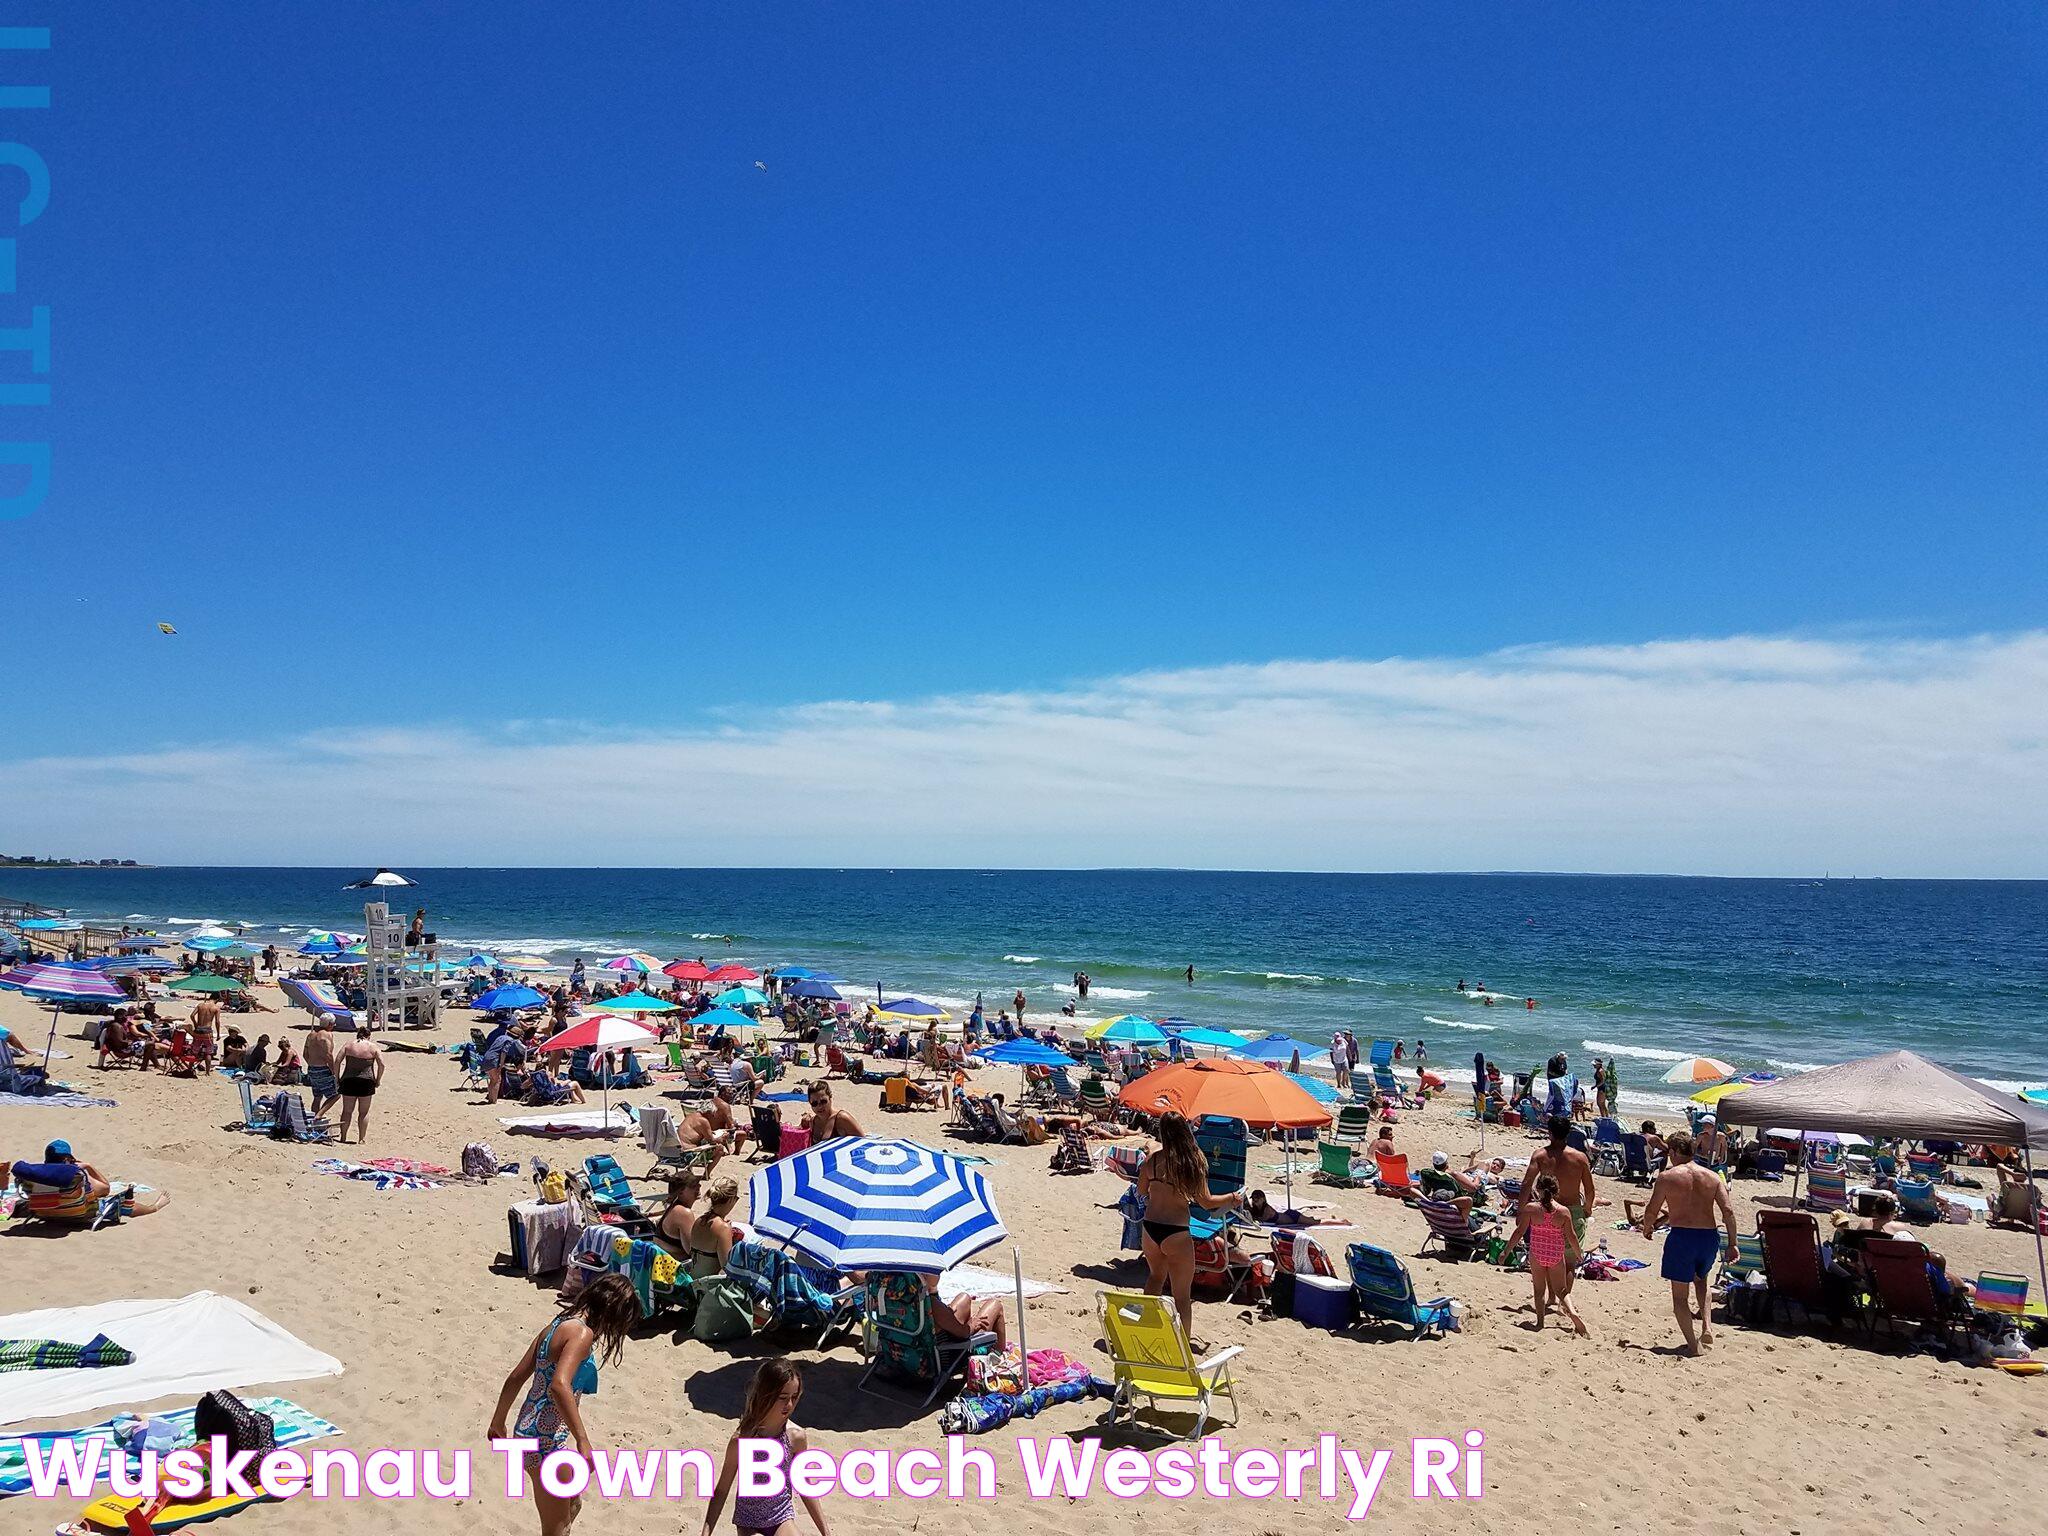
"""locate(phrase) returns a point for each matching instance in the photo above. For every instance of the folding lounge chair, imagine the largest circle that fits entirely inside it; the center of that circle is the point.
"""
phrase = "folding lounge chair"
(297, 1123)
(2017, 1203)
(1072, 1155)
(1385, 1292)
(1827, 1189)
(1096, 1099)
(1334, 1165)
(257, 1119)
(669, 1151)
(1905, 1293)
(1609, 1155)
(1792, 1265)
(904, 1343)
(1457, 1236)
(2002, 1295)
(1354, 1124)
(1925, 1165)
(610, 1190)
(767, 1128)
(797, 1296)
(1224, 1143)
(1394, 1174)
(1151, 1360)
(1635, 1158)
(1916, 1199)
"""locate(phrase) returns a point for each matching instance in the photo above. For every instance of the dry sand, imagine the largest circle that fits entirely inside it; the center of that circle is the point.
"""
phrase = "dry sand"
(1771, 1431)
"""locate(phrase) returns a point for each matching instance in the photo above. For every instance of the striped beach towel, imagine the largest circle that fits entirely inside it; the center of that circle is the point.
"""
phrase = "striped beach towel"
(290, 1424)
(56, 1355)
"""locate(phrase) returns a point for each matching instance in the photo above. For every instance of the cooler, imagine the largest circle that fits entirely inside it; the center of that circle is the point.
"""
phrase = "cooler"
(1322, 1301)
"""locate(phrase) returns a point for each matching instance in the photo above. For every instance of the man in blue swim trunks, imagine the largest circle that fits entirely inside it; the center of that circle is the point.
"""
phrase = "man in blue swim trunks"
(1690, 1197)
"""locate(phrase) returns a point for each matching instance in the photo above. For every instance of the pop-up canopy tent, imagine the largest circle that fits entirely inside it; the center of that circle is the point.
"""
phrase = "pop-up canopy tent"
(1897, 1094)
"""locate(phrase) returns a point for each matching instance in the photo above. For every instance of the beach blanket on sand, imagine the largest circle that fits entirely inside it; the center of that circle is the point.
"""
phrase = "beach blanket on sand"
(378, 1176)
(973, 1280)
(183, 1346)
(56, 1354)
(570, 1122)
(291, 1424)
(66, 1098)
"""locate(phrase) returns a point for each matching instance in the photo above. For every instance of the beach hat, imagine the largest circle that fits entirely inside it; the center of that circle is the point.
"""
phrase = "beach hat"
(1440, 1159)
(1706, 1119)
(57, 1151)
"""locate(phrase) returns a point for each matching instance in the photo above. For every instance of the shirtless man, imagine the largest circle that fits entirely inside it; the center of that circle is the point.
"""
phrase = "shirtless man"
(1690, 1196)
(320, 1064)
(206, 1016)
(731, 1134)
(1710, 1144)
(1573, 1171)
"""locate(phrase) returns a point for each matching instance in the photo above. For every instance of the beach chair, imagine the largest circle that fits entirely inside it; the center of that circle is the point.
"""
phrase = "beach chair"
(1007, 1127)
(1225, 1143)
(1793, 1268)
(1354, 1124)
(666, 1143)
(1925, 1165)
(2002, 1295)
(1635, 1158)
(903, 1343)
(1456, 1235)
(257, 1119)
(1379, 1053)
(1072, 1155)
(767, 1128)
(57, 1192)
(1150, 1359)
(676, 1059)
(1096, 1099)
(796, 1295)
(2017, 1204)
(1903, 1291)
(1385, 1292)
(1916, 1199)
(293, 1120)
(1333, 1165)
(837, 1064)
(1388, 1087)
(1393, 1169)
(1061, 1090)
(1748, 1260)
(1827, 1189)
(611, 1192)
(1609, 1156)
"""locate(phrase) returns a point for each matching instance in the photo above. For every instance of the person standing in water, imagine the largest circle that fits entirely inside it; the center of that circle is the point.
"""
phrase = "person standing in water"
(1191, 975)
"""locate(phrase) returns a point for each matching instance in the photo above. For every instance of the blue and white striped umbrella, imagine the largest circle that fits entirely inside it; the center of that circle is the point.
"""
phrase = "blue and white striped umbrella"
(865, 1202)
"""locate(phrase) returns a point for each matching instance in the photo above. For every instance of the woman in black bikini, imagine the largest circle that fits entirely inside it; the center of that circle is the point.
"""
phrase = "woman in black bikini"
(361, 1064)
(1173, 1179)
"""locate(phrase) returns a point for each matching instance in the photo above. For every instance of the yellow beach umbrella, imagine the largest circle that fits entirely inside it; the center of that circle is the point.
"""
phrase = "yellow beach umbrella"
(1718, 1092)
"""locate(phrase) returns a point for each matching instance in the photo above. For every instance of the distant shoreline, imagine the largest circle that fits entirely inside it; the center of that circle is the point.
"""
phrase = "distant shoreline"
(13, 864)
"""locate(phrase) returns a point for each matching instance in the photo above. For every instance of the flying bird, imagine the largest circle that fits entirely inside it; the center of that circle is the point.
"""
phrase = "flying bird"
(166, 629)
(760, 165)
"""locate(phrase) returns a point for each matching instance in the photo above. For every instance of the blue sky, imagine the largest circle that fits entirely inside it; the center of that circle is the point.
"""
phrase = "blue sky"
(1052, 345)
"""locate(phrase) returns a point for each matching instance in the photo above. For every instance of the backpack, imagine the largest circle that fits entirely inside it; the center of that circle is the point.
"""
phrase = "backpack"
(226, 1415)
(479, 1161)
(725, 1311)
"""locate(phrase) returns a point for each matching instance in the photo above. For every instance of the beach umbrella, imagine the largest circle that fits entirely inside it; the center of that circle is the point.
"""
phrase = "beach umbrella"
(725, 1018)
(1215, 1039)
(383, 877)
(637, 1002)
(1315, 1087)
(804, 973)
(1261, 1096)
(810, 987)
(1278, 1047)
(205, 982)
(143, 965)
(57, 984)
(143, 941)
(741, 997)
(600, 1032)
(481, 962)
(868, 1203)
(508, 998)
(1026, 1053)
(320, 943)
(687, 970)
(731, 972)
(913, 1008)
(639, 962)
(2036, 1095)
(1128, 1030)
(210, 943)
(1699, 1069)
(525, 963)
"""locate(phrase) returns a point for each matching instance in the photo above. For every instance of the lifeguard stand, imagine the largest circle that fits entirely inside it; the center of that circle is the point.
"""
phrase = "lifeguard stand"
(404, 985)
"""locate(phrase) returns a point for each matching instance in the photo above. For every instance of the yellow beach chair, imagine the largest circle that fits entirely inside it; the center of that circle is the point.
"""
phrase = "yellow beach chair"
(1153, 1361)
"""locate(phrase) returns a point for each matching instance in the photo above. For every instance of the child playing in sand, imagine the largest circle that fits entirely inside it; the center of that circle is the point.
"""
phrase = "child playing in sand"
(771, 1399)
(1553, 1252)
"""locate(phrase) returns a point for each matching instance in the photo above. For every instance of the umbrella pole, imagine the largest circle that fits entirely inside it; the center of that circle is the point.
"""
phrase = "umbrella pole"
(1023, 1344)
(2040, 1253)
(50, 1045)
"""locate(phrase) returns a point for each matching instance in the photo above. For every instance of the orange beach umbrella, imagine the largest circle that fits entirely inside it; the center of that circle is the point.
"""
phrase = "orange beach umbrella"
(1252, 1091)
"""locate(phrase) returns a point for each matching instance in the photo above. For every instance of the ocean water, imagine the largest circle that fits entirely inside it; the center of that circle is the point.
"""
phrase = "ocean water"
(1773, 974)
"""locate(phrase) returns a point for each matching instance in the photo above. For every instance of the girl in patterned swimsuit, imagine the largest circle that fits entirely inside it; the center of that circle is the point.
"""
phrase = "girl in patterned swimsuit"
(771, 1399)
(1553, 1252)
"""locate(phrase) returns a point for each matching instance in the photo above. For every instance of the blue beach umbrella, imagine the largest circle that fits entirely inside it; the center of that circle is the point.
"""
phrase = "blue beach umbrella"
(865, 1203)
(482, 962)
(143, 941)
(209, 946)
(1217, 1039)
(914, 1008)
(726, 1018)
(1026, 1053)
(1277, 1047)
(47, 925)
(742, 996)
(821, 991)
(805, 973)
(1129, 1030)
(501, 999)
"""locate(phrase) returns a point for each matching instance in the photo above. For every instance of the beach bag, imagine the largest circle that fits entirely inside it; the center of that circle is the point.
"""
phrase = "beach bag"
(479, 1161)
(992, 1372)
(725, 1311)
(244, 1429)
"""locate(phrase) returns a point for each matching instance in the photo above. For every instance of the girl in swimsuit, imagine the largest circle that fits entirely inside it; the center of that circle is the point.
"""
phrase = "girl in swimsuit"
(558, 1370)
(771, 1399)
(1553, 1252)
(1174, 1179)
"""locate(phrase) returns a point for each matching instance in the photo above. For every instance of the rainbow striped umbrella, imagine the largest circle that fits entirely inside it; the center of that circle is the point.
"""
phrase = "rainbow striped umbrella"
(57, 984)
(1699, 1069)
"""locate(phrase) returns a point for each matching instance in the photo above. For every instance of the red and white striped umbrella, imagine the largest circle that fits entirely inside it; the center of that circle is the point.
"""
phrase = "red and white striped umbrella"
(598, 1032)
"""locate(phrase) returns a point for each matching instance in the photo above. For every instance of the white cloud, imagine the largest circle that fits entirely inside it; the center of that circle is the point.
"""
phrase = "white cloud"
(1738, 755)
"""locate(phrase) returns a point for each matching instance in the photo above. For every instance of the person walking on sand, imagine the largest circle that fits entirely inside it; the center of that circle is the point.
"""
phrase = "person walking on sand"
(1340, 1061)
(1173, 1180)
(1553, 1252)
(1690, 1197)
(559, 1370)
(1017, 1003)
(360, 1068)
(1573, 1171)
(772, 1397)
(320, 1064)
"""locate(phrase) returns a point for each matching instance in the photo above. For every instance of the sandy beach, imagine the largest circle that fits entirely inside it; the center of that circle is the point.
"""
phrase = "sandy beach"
(1771, 1430)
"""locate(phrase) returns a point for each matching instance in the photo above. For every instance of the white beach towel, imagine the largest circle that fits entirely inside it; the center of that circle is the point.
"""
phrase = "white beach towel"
(182, 1348)
(973, 1280)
